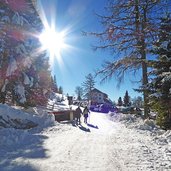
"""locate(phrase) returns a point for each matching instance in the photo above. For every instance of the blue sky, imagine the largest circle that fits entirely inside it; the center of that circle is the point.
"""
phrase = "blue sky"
(79, 59)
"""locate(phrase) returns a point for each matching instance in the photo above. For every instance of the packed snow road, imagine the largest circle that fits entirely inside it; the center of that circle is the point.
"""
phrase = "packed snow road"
(102, 145)
(84, 147)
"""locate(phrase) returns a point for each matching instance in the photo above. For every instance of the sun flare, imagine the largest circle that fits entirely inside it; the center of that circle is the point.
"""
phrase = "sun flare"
(52, 41)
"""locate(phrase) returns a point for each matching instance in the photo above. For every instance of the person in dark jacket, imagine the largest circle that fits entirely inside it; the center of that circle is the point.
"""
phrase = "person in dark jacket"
(85, 113)
(78, 113)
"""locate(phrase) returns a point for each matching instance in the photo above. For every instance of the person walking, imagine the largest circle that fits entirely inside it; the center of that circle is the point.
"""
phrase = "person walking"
(85, 113)
(78, 113)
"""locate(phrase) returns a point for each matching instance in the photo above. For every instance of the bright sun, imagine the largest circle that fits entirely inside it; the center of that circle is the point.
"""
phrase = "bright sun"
(52, 41)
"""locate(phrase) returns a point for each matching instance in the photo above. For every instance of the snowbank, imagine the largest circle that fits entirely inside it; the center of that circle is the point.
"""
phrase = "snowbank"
(15, 126)
(160, 138)
(147, 127)
(133, 121)
(57, 102)
(16, 118)
(11, 137)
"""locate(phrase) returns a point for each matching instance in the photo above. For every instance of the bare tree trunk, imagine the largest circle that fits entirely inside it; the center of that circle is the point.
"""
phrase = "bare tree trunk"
(144, 65)
(145, 93)
(142, 45)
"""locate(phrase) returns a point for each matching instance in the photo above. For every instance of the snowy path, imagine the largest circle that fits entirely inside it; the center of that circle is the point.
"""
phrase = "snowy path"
(108, 147)
(80, 148)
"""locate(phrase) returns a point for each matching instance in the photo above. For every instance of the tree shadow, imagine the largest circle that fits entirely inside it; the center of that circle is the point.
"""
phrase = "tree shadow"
(93, 126)
(27, 146)
(16, 167)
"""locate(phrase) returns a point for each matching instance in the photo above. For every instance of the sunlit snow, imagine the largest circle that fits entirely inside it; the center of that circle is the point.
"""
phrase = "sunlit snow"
(109, 142)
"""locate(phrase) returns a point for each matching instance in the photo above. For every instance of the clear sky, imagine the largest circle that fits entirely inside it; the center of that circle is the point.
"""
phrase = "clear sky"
(78, 59)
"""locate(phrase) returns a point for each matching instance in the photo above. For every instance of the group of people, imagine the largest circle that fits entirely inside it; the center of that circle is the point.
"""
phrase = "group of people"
(78, 113)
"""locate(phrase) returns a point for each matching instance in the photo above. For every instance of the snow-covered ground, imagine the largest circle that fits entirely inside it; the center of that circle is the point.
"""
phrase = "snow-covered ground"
(108, 143)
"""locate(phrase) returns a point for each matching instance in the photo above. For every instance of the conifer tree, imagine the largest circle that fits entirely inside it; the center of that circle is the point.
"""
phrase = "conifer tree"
(160, 86)
(54, 85)
(126, 99)
(21, 64)
(60, 90)
(120, 102)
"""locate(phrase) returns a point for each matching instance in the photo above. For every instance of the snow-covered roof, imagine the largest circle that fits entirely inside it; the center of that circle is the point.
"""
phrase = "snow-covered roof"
(98, 91)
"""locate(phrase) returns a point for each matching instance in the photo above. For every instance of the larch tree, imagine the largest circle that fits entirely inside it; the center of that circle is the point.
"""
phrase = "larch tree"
(79, 92)
(88, 86)
(137, 102)
(129, 29)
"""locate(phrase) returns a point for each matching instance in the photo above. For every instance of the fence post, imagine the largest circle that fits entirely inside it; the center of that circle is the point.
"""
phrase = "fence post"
(53, 106)
(71, 115)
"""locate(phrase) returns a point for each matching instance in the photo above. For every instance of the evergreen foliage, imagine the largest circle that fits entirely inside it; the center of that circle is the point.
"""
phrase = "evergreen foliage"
(24, 71)
(120, 102)
(54, 85)
(60, 90)
(160, 86)
(126, 99)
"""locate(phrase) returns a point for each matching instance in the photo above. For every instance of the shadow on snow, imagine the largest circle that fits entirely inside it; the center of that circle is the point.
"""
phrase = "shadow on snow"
(80, 126)
(29, 146)
(83, 128)
(93, 126)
